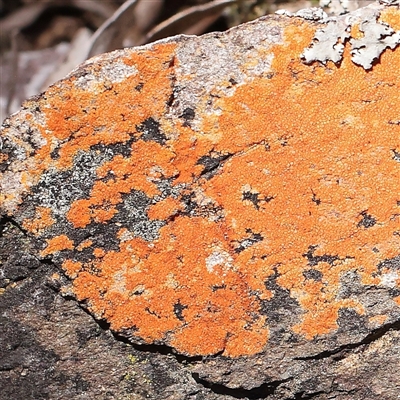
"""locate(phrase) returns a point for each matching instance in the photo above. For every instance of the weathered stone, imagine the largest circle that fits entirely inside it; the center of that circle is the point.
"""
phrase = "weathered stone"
(232, 199)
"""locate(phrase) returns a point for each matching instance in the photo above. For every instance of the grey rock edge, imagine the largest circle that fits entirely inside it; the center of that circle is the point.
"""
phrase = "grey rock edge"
(50, 348)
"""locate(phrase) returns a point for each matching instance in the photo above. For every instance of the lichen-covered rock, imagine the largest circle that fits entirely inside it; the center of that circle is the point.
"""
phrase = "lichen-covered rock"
(235, 195)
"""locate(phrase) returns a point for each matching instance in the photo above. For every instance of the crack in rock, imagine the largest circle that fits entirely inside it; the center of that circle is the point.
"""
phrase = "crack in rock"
(341, 351)
(257, 393)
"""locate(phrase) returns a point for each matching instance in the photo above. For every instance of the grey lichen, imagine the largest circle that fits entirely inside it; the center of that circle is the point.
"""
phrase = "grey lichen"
(311, 14)
(377, 38)
(390, 2)
(328, 42)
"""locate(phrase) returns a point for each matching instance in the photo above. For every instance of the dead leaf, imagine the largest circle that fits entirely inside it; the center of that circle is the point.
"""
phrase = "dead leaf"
(186, 19)
(110, 35)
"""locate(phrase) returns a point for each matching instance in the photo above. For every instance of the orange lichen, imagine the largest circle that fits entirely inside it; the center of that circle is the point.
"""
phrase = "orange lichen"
(148, 159)
(72, 268)
(98, 253)
(164, 209)
(378, 320)
(85, 244)
(322, 121)
(390, 16)
(147, 268)
(355, 32)
(57, 244)
(73, 113)
(43, 219)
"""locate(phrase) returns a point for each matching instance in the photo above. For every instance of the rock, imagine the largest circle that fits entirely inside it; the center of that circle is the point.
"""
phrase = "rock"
(210, 217)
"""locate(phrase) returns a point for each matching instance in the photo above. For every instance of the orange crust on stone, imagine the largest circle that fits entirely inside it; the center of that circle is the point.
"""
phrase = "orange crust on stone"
(58, 244)
(43, 219)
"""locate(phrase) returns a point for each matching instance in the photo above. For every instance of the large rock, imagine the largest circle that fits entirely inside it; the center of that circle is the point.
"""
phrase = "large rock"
(225, 207)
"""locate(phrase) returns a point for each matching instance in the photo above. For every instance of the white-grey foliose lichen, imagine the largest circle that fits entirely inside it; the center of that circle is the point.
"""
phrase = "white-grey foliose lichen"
(328, 42)
(390, 2)
(311, 14)
(377, 38)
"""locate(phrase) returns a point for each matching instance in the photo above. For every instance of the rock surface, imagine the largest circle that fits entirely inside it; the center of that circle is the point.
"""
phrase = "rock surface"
(210, 217)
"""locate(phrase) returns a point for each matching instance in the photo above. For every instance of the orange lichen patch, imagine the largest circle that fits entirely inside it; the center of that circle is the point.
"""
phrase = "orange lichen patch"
(164, 209)
(57, 244)
(82, 212)
(73, 113)
(216, 301)
(98, 253)
(188, 149)
(378, 320)
(313, 123)
(390, 16)
(149, 160)
(85, 244)
(355, 32)
(43, 219)
(322, 313)
(79, 213)
(72, 268)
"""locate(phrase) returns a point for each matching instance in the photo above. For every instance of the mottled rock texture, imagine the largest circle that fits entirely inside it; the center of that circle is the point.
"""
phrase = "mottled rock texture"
(212, 217)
